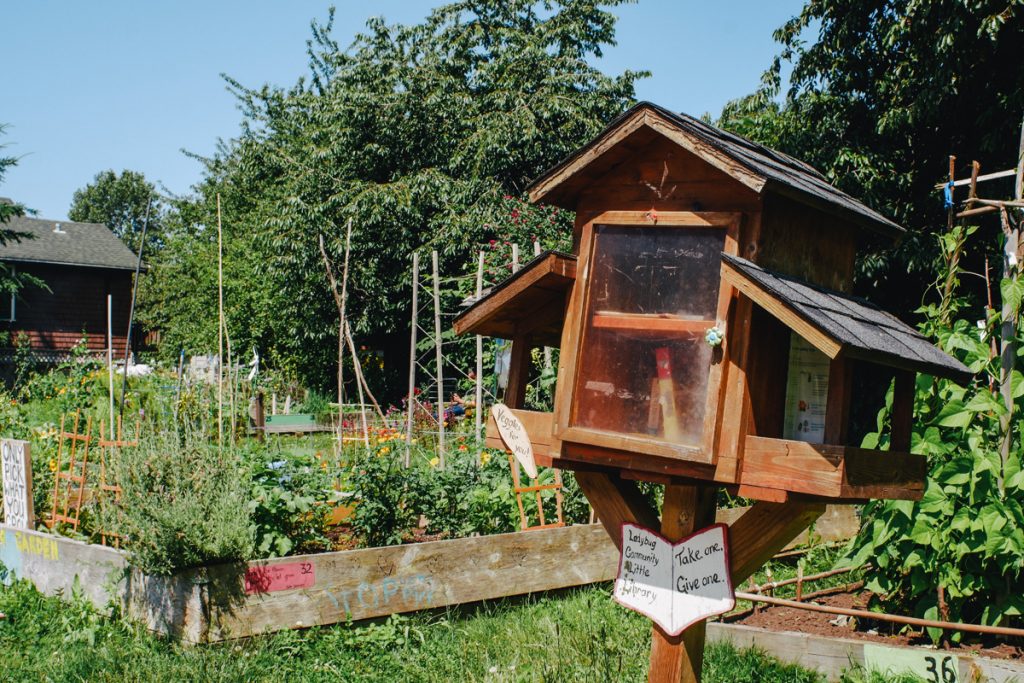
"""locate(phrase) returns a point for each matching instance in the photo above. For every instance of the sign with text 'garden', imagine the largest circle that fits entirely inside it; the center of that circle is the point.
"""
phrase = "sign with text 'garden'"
(675, 584)
(16, 463)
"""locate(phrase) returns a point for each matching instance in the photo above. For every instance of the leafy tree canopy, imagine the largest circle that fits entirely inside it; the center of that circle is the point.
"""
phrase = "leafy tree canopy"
(120, 201)
(418, 134)
(885, 91)
(10, 280)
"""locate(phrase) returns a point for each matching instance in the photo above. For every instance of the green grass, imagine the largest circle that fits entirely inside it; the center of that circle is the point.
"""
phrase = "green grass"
(578, 635)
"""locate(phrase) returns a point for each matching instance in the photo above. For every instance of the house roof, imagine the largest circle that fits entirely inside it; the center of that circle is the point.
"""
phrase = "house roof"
(837, 323)
(754, 165)
(67, 243)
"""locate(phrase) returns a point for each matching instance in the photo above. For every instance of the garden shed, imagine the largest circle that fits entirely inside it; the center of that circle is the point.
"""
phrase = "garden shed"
(80, 263)
(706, 326)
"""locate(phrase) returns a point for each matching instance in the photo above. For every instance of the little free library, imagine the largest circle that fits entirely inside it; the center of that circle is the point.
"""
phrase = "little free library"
(708, 338)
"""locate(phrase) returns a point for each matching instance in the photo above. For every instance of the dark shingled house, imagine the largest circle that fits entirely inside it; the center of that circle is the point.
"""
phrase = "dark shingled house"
(81, 263)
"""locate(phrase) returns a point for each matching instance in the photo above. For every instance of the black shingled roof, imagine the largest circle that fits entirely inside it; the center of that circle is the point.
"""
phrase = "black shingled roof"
(79, 244)
(782, 173)
(863, 329)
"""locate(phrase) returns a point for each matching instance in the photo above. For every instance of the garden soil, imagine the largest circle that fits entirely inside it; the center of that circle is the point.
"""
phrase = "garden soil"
(774, 618)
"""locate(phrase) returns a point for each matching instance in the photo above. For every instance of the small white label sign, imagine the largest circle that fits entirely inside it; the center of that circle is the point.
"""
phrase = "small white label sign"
(675, 584)
(934, 666)
(17, 483)
(513, 433)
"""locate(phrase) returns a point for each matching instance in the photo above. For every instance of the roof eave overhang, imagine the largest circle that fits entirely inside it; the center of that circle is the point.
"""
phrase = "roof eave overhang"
(45, 262)
(644, 115)
(792, 318)
(879, 226)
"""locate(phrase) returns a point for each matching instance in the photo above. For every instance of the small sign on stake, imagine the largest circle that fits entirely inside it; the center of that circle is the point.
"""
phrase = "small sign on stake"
(675, 584)
(513, 433)
(17, 483)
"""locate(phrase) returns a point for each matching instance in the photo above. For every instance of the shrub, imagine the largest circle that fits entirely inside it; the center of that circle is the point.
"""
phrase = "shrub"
(183, 503)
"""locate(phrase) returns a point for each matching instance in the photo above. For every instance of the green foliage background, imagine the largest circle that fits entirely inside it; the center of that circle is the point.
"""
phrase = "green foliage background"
(421, 135)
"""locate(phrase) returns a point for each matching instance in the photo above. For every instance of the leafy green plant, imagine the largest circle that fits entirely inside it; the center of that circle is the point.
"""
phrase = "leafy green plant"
(283, 505)
(958, 553)
(183, 503)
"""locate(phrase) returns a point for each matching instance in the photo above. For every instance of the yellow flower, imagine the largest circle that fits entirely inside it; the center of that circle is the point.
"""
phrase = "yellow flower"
(53, 465)
(435, 461)
(384, 450)
(485, 458)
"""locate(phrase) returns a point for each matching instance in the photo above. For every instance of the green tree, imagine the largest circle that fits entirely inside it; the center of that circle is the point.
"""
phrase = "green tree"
(881, 92)
(10, 280)
(120, 202)
(418, 134)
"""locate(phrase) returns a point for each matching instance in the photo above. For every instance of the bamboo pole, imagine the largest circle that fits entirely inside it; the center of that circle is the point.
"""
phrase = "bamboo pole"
(547, 349)
(1008, 347)
(410, 398)
(131, 309)
(479, 396)
(440, 358)
(359, 385)
(343, 335)
(110, 362)
(220, 330)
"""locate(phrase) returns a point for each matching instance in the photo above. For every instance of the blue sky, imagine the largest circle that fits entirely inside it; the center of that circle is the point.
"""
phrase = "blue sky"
(128, 84)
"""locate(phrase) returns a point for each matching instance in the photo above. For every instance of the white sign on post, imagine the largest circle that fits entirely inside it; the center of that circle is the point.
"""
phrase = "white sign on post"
(16, 463)
(675, 584)
(513, 433)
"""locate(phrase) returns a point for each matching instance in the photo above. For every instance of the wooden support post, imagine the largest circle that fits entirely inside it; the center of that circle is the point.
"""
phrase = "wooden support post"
(616, 501)
(902, 420)
(519, 372)
(260, 418)
(687, 508)
(765, 529)
(410, 397)
(440, 361)
(837, 406)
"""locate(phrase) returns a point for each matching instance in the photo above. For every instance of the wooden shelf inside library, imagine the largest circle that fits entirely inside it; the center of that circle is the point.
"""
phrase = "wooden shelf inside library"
(650, 322)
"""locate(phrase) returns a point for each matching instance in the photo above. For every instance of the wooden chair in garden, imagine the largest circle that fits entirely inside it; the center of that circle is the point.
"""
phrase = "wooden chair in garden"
(536, 489)
(69, 484)
(111, 492)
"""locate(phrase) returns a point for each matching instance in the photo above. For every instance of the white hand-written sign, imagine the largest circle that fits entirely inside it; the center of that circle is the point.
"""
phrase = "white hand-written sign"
(675, 584)
(16, 463)
(513, 433)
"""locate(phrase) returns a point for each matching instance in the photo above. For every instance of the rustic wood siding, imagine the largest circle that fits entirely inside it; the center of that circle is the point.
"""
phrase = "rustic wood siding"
(75, 305)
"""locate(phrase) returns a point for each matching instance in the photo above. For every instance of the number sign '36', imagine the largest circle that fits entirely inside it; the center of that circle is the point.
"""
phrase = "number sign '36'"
(17, 483)
(933, 666)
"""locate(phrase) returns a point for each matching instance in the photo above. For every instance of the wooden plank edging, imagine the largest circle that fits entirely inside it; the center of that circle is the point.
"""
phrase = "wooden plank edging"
(360, 584)
(831, 656)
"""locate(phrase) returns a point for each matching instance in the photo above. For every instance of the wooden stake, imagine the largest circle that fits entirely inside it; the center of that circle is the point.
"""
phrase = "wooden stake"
(411, 399)
(110, 361)
(220, 331)
(440, 370)
(679, 658)
(479, 396)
